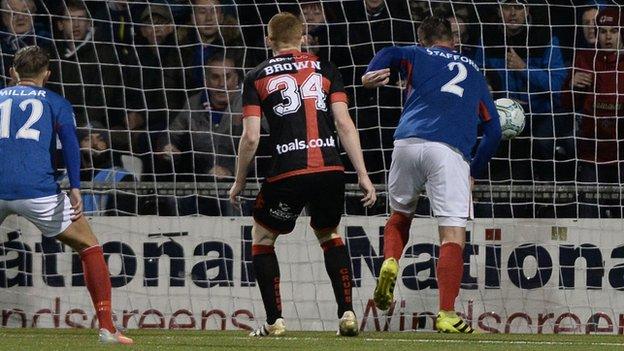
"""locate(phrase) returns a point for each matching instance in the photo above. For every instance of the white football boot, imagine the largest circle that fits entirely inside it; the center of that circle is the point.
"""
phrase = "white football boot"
(107, 337)
(276, 329)
(348, 324)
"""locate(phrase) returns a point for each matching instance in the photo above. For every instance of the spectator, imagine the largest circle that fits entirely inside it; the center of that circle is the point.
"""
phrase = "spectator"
(588, 27)
(373, 25)
(101, 164)
(90, 77)
(208, 128)
(169, 164)
(155, 75)
(461, 34)
(19, 30)
(525, 63)
(419, 10)
(210, 32)
(595, 90)
(211, 120)
(115, 24)
(324, 38)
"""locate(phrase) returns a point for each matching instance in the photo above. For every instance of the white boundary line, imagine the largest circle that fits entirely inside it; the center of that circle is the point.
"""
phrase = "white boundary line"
(449, 341)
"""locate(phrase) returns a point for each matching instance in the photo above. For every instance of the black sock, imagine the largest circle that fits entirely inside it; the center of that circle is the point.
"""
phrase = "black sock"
(338, 266)
(266, 270)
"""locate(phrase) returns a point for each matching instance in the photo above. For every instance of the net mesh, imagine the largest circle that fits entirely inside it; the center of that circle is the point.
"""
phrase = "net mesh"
(157, 95)
(157, 88)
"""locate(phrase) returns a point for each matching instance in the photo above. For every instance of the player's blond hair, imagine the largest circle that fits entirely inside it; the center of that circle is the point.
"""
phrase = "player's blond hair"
(285, 29)
(30, 62)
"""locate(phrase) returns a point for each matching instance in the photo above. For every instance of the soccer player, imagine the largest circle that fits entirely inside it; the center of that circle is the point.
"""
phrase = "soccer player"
(31, 119)
(301, 97)
(447, 99)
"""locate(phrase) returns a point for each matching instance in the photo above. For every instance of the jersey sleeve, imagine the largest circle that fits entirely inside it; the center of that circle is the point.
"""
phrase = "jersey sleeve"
(66, 130)
(251, 98)
(65, 114)
(391, 57)
(491, 133)
(395, 57)
(336, 86)
(487, 109)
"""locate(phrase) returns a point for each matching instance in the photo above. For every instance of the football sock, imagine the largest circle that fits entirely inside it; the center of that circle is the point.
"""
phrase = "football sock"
(449, 272)
(98, 283)
(338, 266)
(266, 270)
(396, 234)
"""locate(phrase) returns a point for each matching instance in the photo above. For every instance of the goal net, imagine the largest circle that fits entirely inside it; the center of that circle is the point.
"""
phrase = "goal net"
(156, 89)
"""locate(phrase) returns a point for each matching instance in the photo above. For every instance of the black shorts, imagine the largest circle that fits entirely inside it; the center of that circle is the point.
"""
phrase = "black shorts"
(279, 203)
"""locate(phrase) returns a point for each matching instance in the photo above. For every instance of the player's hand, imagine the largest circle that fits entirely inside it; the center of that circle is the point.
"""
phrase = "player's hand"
(236, 189)
(514, 61)
(582, 80)
(374, 79)
(75, 199)
(368, 189)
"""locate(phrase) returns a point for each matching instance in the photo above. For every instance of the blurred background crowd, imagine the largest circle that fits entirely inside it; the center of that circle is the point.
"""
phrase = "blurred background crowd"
(156, 86)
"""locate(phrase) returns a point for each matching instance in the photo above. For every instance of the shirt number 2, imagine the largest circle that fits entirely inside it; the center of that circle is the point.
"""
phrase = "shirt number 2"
(451, 86)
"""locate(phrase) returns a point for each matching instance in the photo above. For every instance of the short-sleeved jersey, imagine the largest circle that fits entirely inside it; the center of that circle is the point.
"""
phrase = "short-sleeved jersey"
(294, 91)
(29, 118)
(447, 96)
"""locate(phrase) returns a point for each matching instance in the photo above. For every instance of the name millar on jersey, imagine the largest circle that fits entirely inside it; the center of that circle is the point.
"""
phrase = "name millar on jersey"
(11, 92)
(453, 56)
(289, 66)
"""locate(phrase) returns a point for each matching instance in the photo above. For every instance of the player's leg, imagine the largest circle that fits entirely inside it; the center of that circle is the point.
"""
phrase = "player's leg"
(449, 272)
(275, 212)
(448, 189)
(52, 216)
(396, 234)
(267, 272)
(326, 204)
(405, 183)
(338, 267)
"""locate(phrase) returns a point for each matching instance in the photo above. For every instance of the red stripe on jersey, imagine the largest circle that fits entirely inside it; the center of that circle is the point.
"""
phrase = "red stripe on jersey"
(261, 87)
(315, 155)
(305, 171)
(252, 110)
(326, 85)
(339, 97)
(483, 112)
(408, 70)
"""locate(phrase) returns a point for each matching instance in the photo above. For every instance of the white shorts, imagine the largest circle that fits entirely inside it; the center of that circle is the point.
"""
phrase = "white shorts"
(51, 214)
(441, 170)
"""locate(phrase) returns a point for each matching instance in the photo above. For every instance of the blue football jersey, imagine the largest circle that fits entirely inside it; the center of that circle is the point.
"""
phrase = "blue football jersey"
(29, 120)
(447, 96)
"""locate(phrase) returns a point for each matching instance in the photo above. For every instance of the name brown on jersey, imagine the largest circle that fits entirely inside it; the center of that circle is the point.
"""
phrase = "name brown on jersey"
(294, 91)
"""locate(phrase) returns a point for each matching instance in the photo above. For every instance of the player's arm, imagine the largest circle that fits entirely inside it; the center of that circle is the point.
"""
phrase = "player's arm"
(250, 138)
(66, 130)
(378, 70)
(491, 135)
(350, 140)
(246, 151)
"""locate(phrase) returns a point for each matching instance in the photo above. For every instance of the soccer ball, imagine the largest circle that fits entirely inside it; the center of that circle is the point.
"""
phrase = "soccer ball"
(511, 117)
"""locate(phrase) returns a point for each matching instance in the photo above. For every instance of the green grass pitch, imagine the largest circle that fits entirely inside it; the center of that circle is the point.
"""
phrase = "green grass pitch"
(81, 339)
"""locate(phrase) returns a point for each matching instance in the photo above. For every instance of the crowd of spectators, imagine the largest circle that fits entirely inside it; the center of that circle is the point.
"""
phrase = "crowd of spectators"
(156, 85)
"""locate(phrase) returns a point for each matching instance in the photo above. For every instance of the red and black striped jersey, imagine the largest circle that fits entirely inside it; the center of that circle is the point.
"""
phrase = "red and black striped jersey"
(294, 91)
